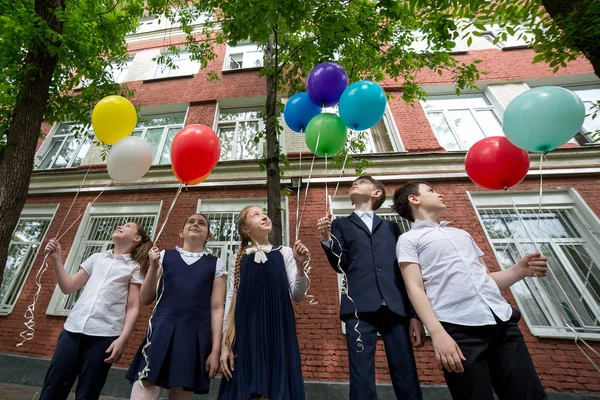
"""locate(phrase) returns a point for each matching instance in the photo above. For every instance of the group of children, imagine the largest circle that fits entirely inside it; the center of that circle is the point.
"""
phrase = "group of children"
(433, 275)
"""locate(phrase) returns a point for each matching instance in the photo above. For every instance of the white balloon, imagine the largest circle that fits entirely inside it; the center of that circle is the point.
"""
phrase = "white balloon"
(129, 159)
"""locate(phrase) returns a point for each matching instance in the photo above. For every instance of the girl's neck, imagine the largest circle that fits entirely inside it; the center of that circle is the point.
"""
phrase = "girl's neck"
(260, 242)
(121, 249)
(193, 247)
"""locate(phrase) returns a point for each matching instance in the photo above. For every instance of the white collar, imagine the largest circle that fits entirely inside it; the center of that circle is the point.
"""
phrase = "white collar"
(125, 257)
(361, 213)
(189, 253)
(427, 223)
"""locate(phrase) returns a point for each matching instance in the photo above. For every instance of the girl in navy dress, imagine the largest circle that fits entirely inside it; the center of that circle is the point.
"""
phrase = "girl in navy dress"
(187, 324)
(260, 357)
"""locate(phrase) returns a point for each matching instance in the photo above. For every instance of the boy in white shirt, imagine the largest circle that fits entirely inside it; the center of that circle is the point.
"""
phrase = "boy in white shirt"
(474, 330)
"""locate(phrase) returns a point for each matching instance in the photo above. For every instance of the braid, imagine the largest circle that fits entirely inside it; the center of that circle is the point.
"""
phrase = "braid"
(229, 334)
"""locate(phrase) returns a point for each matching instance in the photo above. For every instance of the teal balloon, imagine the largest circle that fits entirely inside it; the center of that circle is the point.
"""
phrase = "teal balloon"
(362, 105)
(330, 133)
(543, 118)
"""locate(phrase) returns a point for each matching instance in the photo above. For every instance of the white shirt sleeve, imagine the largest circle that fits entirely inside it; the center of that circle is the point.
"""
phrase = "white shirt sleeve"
(406, 249)
(298, 285)
(162, 256)
(220, 269)
(136, 276)
(229, 297)
(88, 264)
(477, 249)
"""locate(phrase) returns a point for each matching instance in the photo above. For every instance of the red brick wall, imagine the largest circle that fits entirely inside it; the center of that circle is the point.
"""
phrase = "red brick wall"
(561, 365)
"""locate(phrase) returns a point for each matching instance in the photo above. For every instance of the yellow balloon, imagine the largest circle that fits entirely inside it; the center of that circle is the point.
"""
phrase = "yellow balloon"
(113, 119)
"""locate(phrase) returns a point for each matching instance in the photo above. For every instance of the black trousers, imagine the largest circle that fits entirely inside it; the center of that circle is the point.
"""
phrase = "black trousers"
(497, 360)
(77, 356)
(398, 349)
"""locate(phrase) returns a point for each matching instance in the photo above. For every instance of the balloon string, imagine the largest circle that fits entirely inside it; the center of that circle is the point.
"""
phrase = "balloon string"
(541, 190)
(298, 196)
(312, 164)
(168, 213)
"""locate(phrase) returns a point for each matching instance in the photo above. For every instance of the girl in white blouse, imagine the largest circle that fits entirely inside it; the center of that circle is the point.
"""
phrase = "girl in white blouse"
(99, 325)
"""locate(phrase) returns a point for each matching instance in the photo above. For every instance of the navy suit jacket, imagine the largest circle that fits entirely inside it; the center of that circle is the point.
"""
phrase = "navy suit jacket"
(369, 260)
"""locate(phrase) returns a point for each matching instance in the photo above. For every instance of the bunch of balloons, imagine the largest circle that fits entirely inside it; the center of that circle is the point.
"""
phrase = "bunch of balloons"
(195, 149)
(538, 120)
(361, 106)
(113, 120)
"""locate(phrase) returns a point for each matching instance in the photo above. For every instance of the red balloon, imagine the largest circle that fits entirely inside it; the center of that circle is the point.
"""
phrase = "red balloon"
(495, 163)
(195, 152)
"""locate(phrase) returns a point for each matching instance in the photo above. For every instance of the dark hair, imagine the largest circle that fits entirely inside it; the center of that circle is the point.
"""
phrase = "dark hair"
(229, 334)
(378, 202)
(401, 204)
(139, 253)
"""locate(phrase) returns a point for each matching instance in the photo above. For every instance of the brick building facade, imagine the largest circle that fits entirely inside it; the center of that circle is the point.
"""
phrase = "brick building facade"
(424, 140)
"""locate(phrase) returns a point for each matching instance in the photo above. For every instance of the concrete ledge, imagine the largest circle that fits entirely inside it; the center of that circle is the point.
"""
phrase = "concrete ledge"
(30, 371)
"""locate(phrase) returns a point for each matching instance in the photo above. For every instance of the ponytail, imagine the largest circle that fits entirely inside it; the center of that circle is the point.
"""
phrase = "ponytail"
(139, 253)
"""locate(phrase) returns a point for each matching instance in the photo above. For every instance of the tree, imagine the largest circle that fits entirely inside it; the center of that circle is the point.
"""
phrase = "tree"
(43, 58)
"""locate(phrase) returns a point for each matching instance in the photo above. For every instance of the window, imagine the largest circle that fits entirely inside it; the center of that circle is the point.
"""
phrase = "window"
(503, 40)
(67, 147)
(590, 95)
(222, 216)
(243, 56)
(237, 128)
(459, 122)
(94, 236)
(119, 73)
(184, 66)
(382, 137)
(568, 299)
(159, 131)
(22, 251)
(157, 22)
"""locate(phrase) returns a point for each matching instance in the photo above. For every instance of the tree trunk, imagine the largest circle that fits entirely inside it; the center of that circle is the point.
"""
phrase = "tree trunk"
(22, 135)
(560, 9)
(272, 164)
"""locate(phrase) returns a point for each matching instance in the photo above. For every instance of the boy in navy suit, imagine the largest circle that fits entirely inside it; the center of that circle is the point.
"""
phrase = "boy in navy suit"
(363, 246)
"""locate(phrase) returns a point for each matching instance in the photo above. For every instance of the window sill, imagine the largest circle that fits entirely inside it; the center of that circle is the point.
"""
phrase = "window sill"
(458, 52)
(233, 71)
(519, 47)
(168, 78)
(56, 170)
(557, 333)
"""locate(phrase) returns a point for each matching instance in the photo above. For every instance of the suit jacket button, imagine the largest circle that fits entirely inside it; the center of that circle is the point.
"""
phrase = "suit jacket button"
(378, 269)
(376, 249)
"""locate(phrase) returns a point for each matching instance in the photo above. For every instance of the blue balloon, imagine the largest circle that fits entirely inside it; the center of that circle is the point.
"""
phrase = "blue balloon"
(362, 105)
(543, 118)
(299, 110)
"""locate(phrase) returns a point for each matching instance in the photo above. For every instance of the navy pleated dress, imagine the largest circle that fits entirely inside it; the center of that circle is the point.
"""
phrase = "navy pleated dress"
(267, 356)
(182, 338)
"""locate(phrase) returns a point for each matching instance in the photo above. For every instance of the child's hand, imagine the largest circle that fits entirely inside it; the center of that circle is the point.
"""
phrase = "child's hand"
(154, 255)
(533, 264)
(226, 362)
(301, 253)
(212, 364)
(447, 353)
(115, 350)
(54, 250)
(416, 332)
(324, 227)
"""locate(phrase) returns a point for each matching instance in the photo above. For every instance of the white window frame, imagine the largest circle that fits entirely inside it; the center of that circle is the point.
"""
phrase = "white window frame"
(33, 212)
(587, 224)
(154, 23)
(587, 100)
(390, 127)
(472, 110)
(50, 139)
(341, 206)
(119, 74)
(218, 124)
(243, 49)
(59, 300)
(144, 130)
(188, 67)
(495, 31)
(235, 206)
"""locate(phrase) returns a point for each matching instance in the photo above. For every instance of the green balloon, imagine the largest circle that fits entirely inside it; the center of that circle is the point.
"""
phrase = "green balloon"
(330, 132)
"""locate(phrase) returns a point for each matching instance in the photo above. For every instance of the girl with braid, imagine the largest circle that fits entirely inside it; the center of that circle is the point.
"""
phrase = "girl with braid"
(183, 354)
(260, 357)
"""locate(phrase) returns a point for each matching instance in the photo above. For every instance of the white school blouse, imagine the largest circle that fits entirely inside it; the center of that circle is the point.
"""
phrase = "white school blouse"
(190, 257)
(297, 286)
(100, 310)
(458, 286)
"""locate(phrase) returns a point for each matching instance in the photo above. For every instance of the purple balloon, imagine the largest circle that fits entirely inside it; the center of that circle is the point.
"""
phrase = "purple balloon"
(326, 83)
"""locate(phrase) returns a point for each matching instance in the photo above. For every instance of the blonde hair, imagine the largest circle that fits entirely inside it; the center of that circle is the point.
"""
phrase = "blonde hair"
(229, 334)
